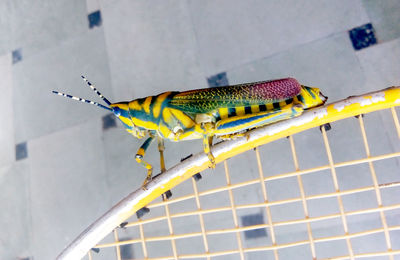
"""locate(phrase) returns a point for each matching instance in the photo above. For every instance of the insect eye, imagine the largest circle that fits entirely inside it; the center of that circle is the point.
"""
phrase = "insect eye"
(117, 111)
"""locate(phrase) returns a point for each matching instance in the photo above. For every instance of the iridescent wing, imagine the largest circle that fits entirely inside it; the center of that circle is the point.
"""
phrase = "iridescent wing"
(257, 93)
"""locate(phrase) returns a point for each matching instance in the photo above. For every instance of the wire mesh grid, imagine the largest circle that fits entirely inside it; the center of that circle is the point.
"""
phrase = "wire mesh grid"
(331, 208)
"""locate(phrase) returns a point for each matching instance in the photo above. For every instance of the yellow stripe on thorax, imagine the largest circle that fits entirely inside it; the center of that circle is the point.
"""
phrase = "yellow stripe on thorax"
(157, 106)
(134, 105)
(146, 104)
(145, 124)
(167, 115)
(126, 121)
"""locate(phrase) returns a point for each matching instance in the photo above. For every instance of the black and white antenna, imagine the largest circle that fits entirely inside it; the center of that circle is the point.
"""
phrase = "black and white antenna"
(85, 100)
(95, 90)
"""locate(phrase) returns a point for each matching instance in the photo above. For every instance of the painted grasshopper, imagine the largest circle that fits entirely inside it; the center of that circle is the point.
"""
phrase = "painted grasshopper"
(224, 112)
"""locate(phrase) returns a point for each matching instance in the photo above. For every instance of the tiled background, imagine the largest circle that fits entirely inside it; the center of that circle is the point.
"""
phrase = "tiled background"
(61, 167)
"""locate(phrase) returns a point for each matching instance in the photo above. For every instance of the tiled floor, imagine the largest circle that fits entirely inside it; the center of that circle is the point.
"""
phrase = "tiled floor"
(74, 168)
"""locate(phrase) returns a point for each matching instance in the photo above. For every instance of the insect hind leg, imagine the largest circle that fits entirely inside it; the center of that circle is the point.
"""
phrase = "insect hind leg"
(232, 126)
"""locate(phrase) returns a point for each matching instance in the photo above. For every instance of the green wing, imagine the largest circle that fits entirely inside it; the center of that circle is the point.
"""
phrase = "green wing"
(257, 93)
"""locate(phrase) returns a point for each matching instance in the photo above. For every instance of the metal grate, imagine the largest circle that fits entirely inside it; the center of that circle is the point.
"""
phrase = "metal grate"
(295, 234)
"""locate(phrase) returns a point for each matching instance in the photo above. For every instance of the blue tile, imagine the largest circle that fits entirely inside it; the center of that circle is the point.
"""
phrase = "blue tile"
(109, 121)
(94, 19)
(21, 151)
(16, 56)
(218, 80)
(127, 250)
(363, 36)
(251, 220)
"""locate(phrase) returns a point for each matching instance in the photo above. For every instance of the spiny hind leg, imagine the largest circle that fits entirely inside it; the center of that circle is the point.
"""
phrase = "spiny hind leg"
(235, 126)
(139, 158)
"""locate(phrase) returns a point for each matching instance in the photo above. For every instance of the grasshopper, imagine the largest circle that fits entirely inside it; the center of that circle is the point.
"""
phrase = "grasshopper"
(224, 112)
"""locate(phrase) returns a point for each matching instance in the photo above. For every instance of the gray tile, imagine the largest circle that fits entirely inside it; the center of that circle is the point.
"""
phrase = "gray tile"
(36, 27)
(318, 183)
(5, 26)
(380, 65)
(151, 47)
(385, 17)
(68, 186)
(243, 167)
(7, 151)
(291, 233)
(92, 5)
(282, 189)
(364, 222)
(327, 228)
(223, 242)
(297, 252)
(231, 34)
(271, 156)
(323, 207)
(329, 64)
(333, 248)
(159, 249)
(37, 110)
(259, 255)
(287, 211)
(248, 194)
(369, 244)
(125, 175)
(15, 223)
(360, 201)
(309, 147)
(381, 69)
(192, 245)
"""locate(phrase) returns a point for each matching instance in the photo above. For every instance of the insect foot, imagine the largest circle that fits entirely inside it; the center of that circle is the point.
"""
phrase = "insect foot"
(212, 160)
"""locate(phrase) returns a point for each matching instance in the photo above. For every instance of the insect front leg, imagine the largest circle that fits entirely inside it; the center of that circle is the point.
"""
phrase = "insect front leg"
(139, 158)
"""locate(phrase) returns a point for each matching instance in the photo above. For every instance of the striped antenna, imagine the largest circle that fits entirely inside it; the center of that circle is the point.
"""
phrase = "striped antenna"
(95, 90)
(82, 100)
